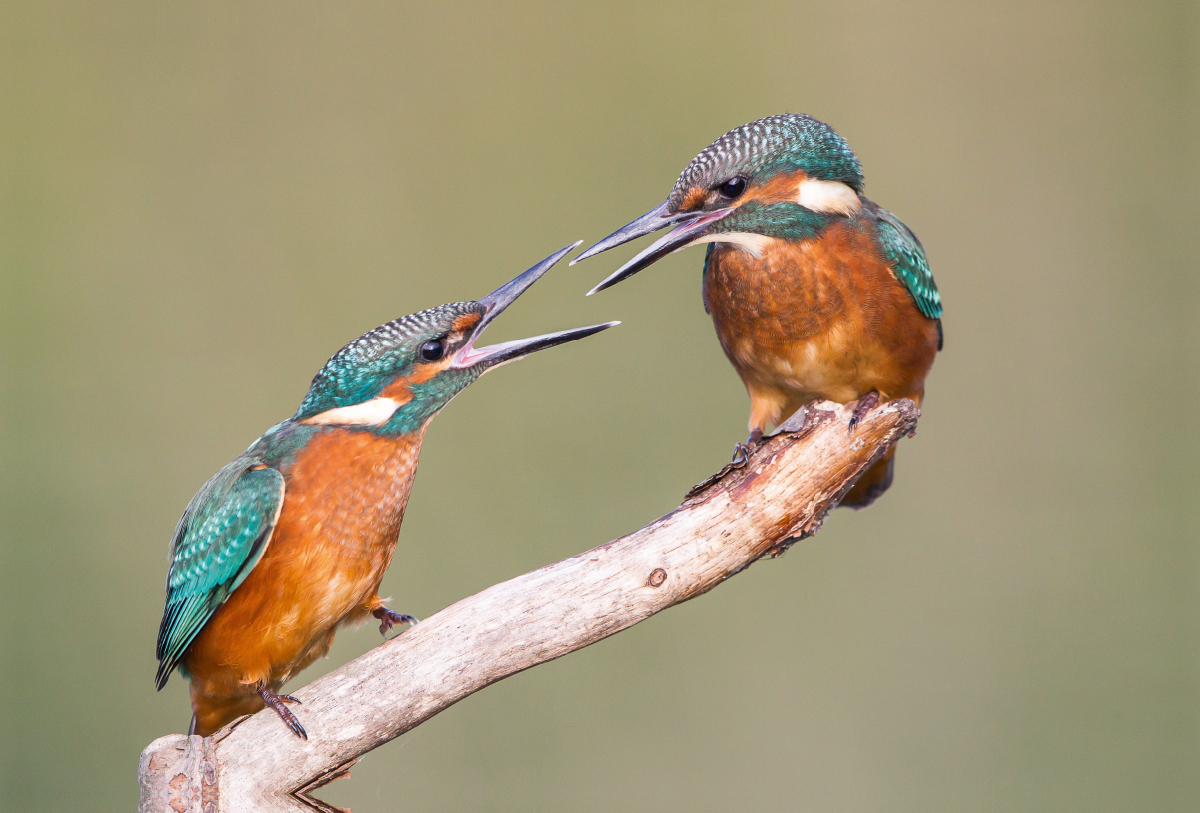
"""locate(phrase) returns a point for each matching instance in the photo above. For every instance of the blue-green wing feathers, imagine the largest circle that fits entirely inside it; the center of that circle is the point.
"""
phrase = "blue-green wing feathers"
(907, 256)
(219, 540)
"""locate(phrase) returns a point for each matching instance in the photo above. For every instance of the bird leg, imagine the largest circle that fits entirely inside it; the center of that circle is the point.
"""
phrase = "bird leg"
(276, 702)
(865, 405)
(390, 618)
(741, 452)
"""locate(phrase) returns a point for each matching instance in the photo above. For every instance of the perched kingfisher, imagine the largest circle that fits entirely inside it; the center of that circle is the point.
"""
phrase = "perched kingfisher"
(815, 291)
(290, 540)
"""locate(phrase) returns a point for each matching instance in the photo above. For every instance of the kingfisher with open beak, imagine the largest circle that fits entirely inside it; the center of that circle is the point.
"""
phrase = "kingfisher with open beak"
(290, 540)
(816, 292)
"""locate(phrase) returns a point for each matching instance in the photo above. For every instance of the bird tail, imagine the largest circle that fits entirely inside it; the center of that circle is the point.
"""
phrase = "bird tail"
(873, 482)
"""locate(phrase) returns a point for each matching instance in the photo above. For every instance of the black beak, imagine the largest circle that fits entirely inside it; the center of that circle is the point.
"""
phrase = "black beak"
(691, 226)
(499, 299)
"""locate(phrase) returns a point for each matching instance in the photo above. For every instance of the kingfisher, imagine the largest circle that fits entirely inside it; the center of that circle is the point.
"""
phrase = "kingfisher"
(290, 540)
(816, 292)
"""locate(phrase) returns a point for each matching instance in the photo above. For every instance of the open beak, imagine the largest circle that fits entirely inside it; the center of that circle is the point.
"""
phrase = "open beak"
(689, 227)
(499, 299)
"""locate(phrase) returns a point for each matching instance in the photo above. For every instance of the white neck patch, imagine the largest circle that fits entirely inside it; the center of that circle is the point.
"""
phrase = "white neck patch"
(827, 197)
(747, 241)
(375, 412)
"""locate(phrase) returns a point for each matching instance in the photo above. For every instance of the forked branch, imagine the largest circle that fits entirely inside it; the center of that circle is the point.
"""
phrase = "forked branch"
(781, 494)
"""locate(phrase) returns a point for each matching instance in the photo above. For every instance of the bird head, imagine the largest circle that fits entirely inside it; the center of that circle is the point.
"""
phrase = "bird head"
(396, 377)
(774, 177)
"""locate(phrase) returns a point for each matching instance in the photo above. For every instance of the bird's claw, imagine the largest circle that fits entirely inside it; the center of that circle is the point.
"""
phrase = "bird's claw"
(390, 618)
(276, 703)
(741, 452)
(864, 405)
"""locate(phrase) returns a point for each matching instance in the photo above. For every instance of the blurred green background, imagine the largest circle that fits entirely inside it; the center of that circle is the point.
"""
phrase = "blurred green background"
(201, 204)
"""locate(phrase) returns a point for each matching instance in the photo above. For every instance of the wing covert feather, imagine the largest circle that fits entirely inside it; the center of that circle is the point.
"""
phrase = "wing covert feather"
(219, 540)
(907, 256)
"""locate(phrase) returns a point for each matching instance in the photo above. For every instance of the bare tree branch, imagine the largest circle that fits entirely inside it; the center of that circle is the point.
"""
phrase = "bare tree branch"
(780, 495)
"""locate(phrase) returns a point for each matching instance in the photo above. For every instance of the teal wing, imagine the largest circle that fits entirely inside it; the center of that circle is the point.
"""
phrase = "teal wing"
(219, 540)
(907, 256)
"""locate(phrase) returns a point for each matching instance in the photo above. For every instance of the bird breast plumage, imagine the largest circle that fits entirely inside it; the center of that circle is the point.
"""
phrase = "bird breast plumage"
(817, 319)
(345, 496)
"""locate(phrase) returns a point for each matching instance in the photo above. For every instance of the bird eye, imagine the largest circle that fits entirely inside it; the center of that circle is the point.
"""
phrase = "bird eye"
(732, 188)
(433, 350)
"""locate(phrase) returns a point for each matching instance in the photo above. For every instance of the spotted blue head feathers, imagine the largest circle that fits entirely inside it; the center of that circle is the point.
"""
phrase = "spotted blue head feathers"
(365, 366)
(396, 377)
(783, 143)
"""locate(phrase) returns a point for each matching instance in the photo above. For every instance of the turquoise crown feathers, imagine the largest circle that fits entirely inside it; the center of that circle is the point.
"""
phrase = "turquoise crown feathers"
(786, 142)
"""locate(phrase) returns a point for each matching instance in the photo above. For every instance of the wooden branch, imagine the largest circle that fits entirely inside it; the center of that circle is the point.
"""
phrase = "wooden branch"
(780, 495)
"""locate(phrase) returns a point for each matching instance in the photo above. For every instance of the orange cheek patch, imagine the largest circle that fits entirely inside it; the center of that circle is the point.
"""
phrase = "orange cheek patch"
(694, 199)
(780, 189)
(464, 323)
(400, 389)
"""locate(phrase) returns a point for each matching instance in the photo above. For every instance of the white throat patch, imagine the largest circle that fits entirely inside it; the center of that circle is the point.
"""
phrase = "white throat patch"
(827, 197)
(746, 241)
(375, 412)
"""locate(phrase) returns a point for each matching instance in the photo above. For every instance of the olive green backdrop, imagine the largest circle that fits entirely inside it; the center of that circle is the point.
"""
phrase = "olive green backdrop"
(200, 205)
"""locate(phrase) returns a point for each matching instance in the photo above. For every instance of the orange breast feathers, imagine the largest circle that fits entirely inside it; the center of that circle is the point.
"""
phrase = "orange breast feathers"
(343, 505)
(817, 319)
